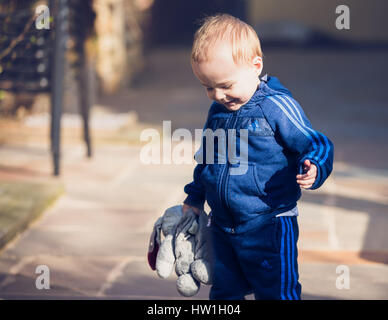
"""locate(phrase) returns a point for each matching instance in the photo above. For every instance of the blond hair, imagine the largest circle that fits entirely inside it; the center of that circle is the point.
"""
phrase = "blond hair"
(223, 27)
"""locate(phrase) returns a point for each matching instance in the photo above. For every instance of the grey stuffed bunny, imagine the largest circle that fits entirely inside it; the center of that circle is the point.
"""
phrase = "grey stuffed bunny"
(187, 243)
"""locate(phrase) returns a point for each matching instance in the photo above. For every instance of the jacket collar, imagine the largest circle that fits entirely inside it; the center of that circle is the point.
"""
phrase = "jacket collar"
(261, 92)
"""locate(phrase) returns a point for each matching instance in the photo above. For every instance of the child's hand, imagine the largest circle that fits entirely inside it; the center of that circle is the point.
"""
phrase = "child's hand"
(187, 207)
(307, 179)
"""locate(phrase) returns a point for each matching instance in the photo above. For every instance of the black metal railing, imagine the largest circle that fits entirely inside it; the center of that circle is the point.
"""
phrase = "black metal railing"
(34, 60)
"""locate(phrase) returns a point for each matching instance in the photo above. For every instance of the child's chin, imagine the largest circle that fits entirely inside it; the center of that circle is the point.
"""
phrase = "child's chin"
(233, 107)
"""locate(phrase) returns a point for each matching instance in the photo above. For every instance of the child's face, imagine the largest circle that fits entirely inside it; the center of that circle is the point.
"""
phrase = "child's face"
(225, 81)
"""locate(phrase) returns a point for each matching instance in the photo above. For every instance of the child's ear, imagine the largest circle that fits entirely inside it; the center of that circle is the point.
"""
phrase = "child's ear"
(258, 64)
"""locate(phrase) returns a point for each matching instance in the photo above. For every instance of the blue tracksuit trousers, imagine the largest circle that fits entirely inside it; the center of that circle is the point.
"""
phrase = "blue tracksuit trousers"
(261, 259)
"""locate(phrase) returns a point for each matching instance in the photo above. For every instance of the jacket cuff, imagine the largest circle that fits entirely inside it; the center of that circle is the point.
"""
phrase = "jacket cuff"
(195, 202)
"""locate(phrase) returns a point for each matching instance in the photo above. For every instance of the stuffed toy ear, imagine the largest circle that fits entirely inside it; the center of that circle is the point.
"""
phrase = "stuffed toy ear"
(154, 244)
(165, 259)
(152, 256)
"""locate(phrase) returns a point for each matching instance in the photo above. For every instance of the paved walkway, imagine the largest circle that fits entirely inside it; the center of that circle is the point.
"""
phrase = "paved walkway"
(94, 239)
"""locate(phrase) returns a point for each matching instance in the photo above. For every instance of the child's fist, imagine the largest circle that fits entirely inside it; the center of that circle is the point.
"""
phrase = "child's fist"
(307, 179)
(187, 207)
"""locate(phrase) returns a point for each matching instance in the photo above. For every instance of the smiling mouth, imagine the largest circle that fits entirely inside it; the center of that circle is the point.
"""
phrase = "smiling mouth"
(231, 102)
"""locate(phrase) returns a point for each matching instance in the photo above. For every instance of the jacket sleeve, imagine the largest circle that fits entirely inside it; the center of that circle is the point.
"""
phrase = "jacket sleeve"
(195, 191)
(290, 124)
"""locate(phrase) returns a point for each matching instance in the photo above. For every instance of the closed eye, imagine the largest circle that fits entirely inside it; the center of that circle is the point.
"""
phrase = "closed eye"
(224, 86)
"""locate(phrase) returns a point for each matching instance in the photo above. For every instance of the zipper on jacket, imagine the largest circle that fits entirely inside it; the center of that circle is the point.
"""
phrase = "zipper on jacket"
(224, 174)
(226, 164)
(227, 172)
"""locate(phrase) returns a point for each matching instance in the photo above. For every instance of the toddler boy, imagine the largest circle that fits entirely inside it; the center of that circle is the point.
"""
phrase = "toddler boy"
(253, 211)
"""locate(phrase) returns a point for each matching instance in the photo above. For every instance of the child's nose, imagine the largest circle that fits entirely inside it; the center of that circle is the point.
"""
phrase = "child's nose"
(218, 95)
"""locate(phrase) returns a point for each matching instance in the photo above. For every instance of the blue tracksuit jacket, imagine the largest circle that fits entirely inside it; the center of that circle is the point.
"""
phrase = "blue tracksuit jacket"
(280, 139)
